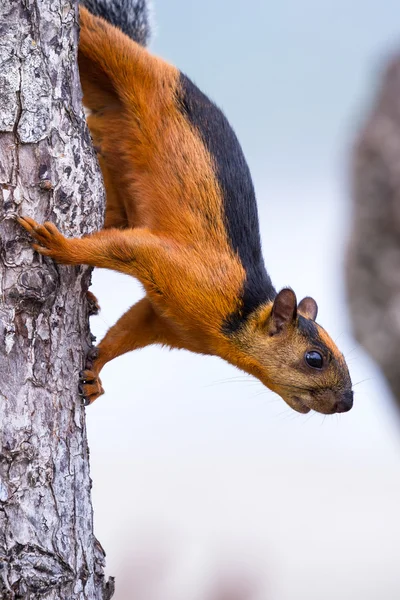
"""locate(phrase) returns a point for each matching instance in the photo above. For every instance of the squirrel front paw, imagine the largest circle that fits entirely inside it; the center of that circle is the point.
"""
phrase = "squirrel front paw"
(90, 387)
(50, 242)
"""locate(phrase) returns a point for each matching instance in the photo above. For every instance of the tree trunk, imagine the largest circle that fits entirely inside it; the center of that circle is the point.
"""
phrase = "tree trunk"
(48, 170)
(373, 261)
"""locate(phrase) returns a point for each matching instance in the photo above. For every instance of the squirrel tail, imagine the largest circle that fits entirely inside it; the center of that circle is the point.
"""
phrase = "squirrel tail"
(131, 16)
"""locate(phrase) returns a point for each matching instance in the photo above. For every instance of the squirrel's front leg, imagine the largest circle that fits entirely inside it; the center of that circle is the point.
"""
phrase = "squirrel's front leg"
(128, 250)
(140, 326)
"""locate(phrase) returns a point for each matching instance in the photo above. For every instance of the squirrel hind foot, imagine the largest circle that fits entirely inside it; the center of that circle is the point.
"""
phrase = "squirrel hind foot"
(93, 304)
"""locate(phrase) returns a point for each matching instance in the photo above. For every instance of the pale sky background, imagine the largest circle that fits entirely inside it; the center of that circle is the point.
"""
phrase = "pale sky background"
(210, 471)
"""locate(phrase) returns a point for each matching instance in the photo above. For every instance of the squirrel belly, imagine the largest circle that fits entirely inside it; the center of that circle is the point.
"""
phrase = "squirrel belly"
(181, 217)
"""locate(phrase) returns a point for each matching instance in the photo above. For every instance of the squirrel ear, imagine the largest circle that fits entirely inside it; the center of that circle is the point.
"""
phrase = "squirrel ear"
(284, 311)
(308, 308)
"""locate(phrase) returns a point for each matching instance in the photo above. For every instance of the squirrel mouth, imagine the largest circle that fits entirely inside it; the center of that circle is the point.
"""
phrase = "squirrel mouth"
(299, 405)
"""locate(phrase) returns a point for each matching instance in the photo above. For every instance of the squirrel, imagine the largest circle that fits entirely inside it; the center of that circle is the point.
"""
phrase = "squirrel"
(181, 217)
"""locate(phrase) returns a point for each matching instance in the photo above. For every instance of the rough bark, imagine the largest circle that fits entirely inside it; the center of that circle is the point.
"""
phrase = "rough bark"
(47, 170)
(373, 262)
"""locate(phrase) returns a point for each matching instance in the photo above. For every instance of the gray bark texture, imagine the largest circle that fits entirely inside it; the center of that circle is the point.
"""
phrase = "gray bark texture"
(48, 170)
(373, 261)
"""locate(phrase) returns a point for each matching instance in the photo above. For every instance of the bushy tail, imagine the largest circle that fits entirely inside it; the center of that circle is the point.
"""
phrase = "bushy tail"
(131, 16)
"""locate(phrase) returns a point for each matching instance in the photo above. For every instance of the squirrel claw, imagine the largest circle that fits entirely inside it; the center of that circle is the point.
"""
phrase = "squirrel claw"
(81, 393)
(89, 386)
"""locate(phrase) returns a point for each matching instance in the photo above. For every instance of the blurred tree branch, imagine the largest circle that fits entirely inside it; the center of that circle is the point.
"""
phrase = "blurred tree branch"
(373, 261)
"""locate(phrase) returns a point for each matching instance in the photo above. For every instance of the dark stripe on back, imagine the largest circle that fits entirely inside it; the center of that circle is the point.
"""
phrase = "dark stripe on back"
(239, 202)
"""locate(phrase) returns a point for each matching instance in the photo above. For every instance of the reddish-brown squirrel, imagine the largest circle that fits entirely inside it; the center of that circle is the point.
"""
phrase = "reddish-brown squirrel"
(181, 217)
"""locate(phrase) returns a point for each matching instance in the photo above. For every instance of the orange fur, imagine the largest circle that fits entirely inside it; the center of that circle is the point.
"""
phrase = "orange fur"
(165, 226)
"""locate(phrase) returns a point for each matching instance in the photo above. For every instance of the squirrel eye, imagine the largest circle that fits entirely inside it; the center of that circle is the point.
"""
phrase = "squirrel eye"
(314, 359)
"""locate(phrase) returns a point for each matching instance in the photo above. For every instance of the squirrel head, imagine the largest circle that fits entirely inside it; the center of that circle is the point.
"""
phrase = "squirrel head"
(283, 346)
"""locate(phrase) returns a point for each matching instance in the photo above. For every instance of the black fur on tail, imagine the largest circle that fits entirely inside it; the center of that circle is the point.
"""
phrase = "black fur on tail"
(132, 16)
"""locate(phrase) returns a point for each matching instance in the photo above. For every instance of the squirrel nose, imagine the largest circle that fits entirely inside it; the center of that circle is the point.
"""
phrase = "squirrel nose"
(345, 404)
